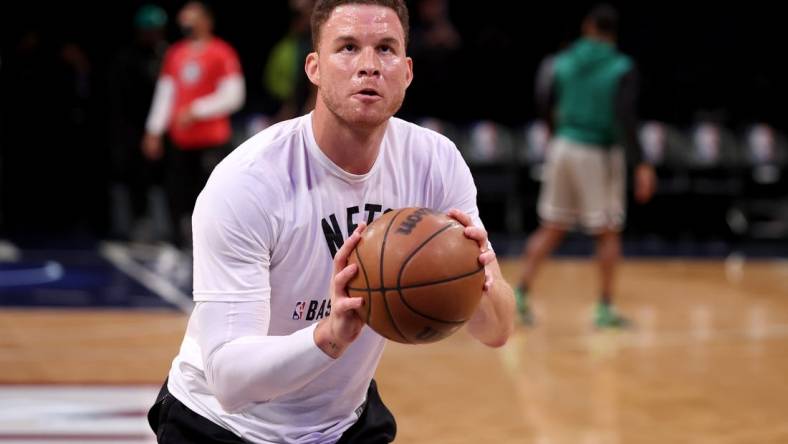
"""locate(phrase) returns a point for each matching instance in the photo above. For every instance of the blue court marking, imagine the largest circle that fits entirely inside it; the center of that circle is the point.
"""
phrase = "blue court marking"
(71, 279)
(30, 274)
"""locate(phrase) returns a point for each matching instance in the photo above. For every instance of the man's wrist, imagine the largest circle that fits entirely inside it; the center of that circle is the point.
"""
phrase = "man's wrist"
(326, 341)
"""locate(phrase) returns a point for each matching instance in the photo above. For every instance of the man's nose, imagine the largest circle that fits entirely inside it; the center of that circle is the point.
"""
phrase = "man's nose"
(368, 64)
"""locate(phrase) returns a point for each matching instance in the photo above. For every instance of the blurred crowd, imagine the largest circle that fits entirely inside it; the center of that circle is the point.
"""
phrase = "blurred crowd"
(93, 151)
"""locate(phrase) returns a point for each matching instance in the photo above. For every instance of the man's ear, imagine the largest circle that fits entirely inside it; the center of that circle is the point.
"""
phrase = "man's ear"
(312, 69)
(409, 62)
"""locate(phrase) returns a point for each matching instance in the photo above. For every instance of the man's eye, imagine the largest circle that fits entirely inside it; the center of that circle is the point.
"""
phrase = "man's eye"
(349, 47)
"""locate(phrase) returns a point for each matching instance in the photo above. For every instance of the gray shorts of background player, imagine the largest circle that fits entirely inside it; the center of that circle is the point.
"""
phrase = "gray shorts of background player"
(583, 185)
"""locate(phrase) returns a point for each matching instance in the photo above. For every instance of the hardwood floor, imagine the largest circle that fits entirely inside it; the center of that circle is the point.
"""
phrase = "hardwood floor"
(706, 361)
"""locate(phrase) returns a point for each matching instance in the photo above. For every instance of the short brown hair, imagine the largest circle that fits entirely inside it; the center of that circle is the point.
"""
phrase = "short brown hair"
(324, 8)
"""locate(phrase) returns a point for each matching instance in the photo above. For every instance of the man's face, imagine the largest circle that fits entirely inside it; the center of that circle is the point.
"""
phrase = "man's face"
(360, 66)
(193, 18)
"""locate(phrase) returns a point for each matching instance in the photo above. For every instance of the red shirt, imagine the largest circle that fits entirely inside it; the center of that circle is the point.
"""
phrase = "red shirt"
(196, 71)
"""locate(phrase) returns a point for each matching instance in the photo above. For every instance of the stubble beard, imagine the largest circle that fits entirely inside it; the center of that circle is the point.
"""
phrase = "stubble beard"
(353, 114)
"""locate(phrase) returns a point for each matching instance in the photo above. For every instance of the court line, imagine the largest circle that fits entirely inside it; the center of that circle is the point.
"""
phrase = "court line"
(118, 256)
(49, 271)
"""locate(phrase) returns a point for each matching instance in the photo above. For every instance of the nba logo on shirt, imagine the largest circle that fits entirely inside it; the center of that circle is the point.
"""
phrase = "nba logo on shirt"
(190, 73)
(298, 313)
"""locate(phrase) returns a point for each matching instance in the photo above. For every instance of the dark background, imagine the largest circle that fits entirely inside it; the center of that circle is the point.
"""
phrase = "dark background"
(719, 60)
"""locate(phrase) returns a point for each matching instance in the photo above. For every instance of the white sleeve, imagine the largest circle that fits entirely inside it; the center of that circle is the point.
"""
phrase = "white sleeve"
(227, 99)
(233, 237)
(233, 240)
(458, 186)
(243, 365)
(161, 108)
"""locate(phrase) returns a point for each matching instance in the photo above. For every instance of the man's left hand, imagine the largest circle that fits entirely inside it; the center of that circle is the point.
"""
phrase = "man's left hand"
(478, 234)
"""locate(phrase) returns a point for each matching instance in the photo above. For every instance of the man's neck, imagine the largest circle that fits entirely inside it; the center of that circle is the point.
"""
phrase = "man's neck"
(603, 38)
(200, 39)
(352, 149)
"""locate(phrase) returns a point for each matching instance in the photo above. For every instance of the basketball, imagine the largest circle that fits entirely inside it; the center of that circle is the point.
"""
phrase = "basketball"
(419, 275)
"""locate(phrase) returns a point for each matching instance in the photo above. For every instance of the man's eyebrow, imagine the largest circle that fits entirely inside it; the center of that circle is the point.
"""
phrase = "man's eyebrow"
(389, 41)
(345, 38)
(384, 41)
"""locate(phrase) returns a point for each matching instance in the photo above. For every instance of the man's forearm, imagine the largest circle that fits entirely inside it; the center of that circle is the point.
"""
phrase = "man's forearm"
(161, 107)
(245, 365)
(493, 322)
(227, 99)
(260, 368)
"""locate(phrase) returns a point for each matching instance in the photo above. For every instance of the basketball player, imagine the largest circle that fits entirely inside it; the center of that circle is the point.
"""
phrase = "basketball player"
(274, 351)
(199, 86)
(588, 93)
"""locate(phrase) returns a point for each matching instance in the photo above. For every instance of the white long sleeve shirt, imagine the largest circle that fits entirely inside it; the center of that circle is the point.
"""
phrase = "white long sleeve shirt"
(266, 227)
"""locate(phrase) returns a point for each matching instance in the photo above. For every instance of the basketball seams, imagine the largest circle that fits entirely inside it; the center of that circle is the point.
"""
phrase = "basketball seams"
(417, 249)
(423, 284)
(442, 281)
(366, 279)
(392, 307)
(412, 254)
(383, 292)
(444, 321)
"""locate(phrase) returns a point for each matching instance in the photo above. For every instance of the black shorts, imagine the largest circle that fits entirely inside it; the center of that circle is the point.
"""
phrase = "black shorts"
(174, 423)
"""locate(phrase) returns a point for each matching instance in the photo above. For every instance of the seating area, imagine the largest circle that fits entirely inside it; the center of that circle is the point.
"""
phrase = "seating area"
(714, 182)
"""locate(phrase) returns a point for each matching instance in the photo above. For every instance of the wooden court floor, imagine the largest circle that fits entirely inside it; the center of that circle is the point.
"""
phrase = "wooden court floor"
(707, 360)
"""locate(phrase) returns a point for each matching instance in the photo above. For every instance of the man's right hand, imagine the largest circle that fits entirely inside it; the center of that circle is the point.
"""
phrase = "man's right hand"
(152, 146)
(334, 334)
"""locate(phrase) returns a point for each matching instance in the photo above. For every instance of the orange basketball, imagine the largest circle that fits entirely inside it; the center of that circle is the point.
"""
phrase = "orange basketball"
(419, 275)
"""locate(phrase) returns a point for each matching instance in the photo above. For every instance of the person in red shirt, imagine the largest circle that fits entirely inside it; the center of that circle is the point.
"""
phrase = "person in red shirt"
(199, 86)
